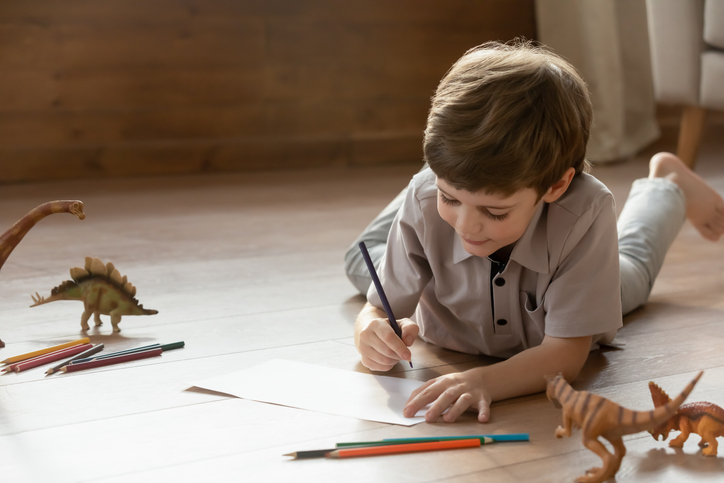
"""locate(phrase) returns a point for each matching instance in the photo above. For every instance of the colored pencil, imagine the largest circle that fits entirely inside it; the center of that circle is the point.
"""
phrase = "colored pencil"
(321, 453)
(60, 353)
(93, 350)
(117, 353)
(48, 350)
(113, 360)
(165, 347)
(48, 358)
(403, 448)
(380, 291)
(484, 439)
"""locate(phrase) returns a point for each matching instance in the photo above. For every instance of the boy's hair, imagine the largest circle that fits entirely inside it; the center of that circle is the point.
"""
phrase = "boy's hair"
(507, 117)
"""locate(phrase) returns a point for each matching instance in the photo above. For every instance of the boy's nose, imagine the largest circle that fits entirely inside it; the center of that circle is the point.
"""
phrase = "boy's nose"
(469, 223)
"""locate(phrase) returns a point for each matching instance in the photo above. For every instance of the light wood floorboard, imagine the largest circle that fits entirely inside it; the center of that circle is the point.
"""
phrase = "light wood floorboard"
(248, 268)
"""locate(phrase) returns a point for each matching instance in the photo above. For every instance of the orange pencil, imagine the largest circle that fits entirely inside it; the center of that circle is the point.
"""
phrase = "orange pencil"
(403, 448)
(47, 350)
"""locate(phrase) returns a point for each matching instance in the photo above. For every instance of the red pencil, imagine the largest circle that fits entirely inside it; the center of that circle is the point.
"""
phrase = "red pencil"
(47, 358)
(403, 448)
(112, 360)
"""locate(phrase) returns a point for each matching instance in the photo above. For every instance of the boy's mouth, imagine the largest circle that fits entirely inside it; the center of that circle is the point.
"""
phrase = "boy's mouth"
(473, 242)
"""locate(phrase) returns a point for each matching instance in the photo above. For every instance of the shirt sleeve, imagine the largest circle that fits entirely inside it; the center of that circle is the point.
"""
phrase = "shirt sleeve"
(404, 270)
(584, 296)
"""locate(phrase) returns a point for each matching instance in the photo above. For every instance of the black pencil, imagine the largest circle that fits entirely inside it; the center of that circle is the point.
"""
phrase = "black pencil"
(380, 292)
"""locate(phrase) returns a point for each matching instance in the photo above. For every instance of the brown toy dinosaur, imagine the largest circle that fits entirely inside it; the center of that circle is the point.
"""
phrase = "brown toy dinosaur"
(598, 416)
(10, 239)
(703, 418)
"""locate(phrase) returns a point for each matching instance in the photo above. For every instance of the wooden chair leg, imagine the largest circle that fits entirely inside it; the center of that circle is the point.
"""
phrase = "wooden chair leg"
(692, 125)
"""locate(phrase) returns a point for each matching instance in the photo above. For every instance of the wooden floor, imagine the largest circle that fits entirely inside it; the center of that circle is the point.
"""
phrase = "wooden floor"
(247, 268)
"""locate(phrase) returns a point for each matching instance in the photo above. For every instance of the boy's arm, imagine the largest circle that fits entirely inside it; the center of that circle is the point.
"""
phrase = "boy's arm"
(522, 374)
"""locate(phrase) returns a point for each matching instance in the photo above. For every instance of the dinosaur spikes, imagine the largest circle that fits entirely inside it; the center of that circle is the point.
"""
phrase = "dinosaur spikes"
(124, 280)
(97, 267)
(129, 288)
(78, 273)
(658, 395)
(88, 262)
(37, 298)
(116, 276)
(109, 268)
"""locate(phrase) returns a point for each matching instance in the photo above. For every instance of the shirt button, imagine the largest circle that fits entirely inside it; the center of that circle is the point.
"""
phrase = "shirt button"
(502, 322)
(499, 282)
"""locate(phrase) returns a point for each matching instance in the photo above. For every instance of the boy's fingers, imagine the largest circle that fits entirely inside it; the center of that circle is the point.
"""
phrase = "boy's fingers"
(461, 405)
(425, 395)
(388, 336)
(443, 401)
(483, 412)
(409, 332)
(373, 365)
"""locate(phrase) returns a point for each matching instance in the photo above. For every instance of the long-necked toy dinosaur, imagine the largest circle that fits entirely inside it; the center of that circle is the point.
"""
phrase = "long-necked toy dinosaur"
(10, 239)
(102, 290)
(600, 417)
(703, 418)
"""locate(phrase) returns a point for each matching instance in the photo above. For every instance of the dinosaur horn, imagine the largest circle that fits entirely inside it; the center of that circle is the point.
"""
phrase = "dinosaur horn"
(658, 395)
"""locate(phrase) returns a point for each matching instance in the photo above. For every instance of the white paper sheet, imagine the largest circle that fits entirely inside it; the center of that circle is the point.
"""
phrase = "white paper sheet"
(322, 389)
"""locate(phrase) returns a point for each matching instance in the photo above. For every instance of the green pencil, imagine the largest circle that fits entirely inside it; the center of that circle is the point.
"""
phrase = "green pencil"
(484, 439)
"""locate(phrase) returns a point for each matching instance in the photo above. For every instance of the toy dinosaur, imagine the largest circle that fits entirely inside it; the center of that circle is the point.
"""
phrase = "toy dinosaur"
(598, 416)
(102, 290)
(10, 239)
(703, 418)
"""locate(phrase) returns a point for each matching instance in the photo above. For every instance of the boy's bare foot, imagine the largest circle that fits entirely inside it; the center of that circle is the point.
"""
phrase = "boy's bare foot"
(704, 206)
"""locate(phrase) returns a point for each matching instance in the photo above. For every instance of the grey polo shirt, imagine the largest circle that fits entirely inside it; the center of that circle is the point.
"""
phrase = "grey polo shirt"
(562, 278)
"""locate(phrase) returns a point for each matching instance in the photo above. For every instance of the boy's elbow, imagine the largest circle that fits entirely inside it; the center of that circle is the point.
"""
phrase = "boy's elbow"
(573, 353)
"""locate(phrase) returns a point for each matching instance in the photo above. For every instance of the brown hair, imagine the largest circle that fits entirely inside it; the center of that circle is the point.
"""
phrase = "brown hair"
(507, 117)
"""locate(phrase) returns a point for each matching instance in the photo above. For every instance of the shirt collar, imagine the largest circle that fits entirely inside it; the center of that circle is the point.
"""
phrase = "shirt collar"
(531, 250)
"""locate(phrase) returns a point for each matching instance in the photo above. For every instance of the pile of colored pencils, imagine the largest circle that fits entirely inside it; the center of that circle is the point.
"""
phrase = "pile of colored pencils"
(407, 445)
(81, 354)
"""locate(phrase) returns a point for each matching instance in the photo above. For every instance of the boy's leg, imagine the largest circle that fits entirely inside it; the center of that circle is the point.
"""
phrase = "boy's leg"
(652, 217)
(375, 238)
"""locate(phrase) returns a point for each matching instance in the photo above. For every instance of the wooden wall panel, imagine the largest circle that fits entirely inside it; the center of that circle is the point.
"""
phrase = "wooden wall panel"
(116, 87)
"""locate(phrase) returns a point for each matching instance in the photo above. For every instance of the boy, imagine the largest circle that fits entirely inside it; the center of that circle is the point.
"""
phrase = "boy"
(505, 246)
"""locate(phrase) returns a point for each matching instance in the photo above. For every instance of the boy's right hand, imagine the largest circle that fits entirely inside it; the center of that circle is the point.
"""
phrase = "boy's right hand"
(378, 344)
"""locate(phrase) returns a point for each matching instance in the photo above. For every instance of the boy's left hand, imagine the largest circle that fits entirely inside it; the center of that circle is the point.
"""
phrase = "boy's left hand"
(456, 393)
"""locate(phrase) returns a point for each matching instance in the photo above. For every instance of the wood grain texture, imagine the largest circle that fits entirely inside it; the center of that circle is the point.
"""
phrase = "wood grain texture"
(118, 88)
(246, 268)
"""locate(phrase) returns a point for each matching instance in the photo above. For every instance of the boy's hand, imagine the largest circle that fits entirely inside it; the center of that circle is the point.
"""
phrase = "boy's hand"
(380, 347)
(456, 393)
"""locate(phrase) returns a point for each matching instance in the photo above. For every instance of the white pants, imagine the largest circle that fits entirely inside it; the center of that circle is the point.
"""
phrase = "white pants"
(650, 220)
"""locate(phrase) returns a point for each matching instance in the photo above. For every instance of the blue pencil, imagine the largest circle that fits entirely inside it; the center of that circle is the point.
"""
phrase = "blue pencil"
(380, 292)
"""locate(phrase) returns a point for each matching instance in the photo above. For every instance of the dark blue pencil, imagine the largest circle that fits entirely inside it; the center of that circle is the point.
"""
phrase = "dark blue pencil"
(380, 292)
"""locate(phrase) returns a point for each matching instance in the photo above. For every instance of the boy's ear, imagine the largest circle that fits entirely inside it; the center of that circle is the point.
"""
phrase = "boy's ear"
(559, 187)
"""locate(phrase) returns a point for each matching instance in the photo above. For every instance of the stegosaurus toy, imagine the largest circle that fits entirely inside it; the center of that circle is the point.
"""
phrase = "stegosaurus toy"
(703, 418)
(102, 290)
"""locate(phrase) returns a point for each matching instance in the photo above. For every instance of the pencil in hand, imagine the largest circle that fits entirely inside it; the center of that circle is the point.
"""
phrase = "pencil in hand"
(380, 291)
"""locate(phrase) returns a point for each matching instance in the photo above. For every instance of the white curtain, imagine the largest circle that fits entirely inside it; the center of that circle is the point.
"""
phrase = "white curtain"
(607, 41)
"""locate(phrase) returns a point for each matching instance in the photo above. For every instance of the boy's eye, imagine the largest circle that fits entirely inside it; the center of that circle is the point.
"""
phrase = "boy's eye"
(496, 217)
(447, 200)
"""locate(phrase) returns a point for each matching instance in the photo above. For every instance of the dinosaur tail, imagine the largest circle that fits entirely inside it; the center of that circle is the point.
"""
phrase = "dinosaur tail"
(67, 290)
(40, 300)
(648, 420)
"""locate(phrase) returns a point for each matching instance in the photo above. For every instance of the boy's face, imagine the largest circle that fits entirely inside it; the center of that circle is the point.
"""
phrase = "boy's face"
(486, 222)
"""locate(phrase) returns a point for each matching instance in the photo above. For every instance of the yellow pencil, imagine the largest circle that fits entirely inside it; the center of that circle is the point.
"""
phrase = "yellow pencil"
(40, 352)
